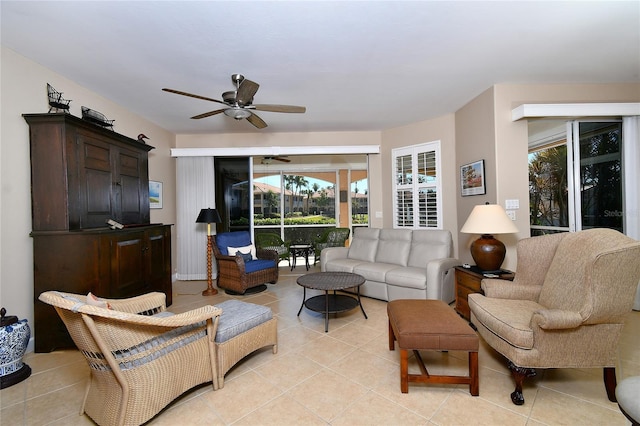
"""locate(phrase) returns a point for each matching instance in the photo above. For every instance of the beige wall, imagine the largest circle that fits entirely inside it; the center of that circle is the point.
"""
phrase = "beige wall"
(475, 129)
(438, 129)
(24, 90)
(505, 151)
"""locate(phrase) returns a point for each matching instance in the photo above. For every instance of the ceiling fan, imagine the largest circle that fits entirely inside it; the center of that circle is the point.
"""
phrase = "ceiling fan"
(269, 160)
(239, 102)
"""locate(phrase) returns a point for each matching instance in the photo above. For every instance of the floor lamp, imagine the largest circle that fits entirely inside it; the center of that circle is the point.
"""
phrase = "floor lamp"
(209, 216)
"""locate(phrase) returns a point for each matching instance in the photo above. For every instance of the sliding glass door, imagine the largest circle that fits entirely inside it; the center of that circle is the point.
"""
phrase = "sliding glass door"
(575, 176)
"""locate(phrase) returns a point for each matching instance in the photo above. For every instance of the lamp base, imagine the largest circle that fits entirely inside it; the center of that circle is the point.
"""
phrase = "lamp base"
(210, 292)
(488, 253)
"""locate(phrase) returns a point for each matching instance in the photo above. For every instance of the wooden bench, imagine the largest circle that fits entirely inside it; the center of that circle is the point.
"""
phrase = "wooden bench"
(431, 325)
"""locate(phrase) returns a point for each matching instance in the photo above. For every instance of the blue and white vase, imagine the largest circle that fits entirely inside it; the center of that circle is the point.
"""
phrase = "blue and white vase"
(14, 338)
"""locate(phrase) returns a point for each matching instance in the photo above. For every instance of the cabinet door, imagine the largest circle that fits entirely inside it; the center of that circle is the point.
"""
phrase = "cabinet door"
(128, 265)
(95, 187)
(132, 186)
(113, 183)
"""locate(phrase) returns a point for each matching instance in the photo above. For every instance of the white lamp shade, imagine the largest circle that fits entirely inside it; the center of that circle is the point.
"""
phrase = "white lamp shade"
(488, 219)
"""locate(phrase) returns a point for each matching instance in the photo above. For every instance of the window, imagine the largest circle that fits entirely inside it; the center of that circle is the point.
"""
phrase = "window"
(417, 186)
(575, 176)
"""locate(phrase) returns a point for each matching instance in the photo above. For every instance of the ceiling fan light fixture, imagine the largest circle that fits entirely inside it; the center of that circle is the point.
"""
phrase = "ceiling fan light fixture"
(237, 113)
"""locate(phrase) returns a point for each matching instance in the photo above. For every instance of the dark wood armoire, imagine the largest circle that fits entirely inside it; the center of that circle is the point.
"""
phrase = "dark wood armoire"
(83, 175)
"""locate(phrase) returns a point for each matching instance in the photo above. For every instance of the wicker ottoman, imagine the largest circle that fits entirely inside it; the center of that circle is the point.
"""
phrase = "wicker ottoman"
(242, 328)
(431, 325)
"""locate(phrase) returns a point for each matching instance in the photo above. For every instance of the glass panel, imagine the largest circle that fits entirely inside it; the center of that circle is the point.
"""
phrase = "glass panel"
(360, 202)
(601, 175)
(548, 190)
(266, 199)
(403, 170)
(428, 208)
(427, 167)
(404, 203)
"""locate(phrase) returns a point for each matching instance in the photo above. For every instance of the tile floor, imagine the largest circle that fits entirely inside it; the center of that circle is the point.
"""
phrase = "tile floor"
(347, 376)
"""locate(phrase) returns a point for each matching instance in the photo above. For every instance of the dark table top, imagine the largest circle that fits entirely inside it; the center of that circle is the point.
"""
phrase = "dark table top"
(330, 280)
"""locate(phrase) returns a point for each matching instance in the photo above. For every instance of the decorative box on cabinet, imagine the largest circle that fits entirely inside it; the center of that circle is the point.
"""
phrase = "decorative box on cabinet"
(469, 280)
(82, 174)
(108, 263)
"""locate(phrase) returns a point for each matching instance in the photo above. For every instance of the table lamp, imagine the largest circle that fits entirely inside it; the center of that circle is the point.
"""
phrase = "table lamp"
(488, 219)
(209, 216)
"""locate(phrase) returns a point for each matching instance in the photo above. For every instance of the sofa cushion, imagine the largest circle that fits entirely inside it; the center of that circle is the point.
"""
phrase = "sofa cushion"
(374, 271)
(427, 245)
(408, 277)
(364, 244)
(343, 265)
(506, 318)
(394, 246)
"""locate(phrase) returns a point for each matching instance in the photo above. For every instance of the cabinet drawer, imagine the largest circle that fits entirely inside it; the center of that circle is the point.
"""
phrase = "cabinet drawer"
(468, 281)
(464, 292)
(462, 306)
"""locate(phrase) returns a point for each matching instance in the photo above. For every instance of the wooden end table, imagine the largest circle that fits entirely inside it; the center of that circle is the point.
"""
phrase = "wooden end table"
(468, 281)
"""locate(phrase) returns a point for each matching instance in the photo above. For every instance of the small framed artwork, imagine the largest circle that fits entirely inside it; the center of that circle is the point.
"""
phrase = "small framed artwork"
(472, 178)
(155, 194)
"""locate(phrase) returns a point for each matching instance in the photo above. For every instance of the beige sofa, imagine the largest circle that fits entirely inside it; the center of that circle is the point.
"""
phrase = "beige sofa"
(398, 263)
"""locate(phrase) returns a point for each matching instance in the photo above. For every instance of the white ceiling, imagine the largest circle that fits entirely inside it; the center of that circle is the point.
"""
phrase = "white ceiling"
(355, 65)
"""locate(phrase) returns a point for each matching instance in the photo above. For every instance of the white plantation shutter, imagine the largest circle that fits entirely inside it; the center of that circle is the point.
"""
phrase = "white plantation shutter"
(417, 185)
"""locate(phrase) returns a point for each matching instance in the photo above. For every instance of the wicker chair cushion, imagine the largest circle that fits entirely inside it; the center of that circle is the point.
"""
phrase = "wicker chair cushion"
(232, 239)
(238, 317)
(258, 265)
(250, 250)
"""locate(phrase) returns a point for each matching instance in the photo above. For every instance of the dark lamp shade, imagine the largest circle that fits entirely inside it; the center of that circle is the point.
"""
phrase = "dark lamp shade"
(208, 216)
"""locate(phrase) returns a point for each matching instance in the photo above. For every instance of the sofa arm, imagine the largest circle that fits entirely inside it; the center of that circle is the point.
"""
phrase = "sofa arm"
(504, 289)
(556, 319)
(332, 253)
(439, 285)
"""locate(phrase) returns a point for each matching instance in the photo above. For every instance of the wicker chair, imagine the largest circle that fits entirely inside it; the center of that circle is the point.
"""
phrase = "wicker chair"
(139, 363)
(238, 276)
(332, 237)
(271, 241)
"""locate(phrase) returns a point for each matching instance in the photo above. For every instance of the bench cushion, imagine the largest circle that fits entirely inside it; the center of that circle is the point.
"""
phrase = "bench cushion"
(238, 317)
(430, 325)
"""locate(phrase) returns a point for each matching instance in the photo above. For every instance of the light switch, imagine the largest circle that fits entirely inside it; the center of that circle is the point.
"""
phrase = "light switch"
(511, 204)
(378, 215)
(511, 214)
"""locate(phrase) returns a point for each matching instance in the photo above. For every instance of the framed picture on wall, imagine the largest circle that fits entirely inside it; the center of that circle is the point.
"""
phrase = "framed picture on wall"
(155, 194)
(472, 178)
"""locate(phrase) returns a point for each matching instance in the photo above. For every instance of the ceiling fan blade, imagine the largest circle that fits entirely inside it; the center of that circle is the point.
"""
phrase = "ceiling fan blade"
(207, 114)
(283, 159)
(245, 93)
(256, 121)
(280, 108)
(178, 92)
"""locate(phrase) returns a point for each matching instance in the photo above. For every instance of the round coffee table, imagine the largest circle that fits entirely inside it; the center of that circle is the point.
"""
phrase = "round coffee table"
(331, 303)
